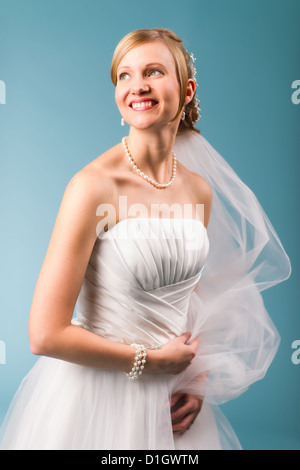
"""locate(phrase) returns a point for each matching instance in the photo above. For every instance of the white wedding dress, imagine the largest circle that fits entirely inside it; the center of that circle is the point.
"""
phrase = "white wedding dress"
(138, 288)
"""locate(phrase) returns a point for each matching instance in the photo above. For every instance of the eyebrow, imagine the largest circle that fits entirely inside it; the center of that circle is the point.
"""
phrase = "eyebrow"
(147, 65)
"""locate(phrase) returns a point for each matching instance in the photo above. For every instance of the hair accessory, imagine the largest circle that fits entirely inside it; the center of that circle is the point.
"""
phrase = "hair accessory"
(193, 67)
(139, 362)
(194, 77)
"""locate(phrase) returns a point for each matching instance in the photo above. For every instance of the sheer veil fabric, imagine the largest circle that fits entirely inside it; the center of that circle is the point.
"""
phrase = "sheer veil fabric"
(238, 339)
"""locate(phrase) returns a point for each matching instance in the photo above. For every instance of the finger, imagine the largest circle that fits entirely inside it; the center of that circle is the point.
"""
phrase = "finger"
(185, 424)
(175, 410)
(175, 398)
(194, 344)
(185, 337)
(185, 409)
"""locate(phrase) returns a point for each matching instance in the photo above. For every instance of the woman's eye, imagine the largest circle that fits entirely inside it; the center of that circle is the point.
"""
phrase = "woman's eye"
(155, 72)
(123, 76)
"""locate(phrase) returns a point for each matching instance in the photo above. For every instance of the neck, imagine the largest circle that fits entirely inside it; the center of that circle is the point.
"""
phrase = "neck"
(152, 152)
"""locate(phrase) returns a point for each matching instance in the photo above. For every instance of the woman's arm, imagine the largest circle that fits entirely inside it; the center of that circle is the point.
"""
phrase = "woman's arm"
(50, 330)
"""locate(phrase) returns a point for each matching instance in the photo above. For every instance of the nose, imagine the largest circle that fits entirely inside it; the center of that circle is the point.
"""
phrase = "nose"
(139, 86)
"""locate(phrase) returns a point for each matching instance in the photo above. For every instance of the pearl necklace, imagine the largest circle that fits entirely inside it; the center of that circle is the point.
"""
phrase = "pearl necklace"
(141, 173)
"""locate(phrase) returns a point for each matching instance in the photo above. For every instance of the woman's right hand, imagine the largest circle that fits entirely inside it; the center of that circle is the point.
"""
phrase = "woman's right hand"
(173, 357)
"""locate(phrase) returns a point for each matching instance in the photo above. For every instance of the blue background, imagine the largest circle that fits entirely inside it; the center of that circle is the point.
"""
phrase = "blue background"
(60, 114)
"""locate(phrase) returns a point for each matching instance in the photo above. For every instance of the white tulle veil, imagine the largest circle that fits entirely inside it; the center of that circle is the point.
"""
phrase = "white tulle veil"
(238, 339)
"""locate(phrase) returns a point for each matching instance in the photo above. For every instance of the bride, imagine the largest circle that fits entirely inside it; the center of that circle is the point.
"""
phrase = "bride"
(165, 330)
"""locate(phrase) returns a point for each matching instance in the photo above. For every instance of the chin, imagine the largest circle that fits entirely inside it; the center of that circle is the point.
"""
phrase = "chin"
(154, 124)
(141, 125)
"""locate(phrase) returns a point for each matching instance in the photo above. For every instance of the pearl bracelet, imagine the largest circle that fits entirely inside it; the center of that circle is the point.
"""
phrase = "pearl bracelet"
(139, 362)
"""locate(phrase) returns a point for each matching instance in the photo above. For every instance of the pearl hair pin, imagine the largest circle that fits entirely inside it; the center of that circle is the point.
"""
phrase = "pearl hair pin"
(150, 180)
(194, 77)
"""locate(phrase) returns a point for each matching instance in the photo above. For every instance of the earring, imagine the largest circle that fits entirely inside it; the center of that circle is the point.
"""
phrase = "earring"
(122, 122)
(183, 116)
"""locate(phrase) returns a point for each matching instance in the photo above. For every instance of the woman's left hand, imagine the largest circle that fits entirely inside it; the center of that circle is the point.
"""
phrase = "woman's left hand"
(184, 410)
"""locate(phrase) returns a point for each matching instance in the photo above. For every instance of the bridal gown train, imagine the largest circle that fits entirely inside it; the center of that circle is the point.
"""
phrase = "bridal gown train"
(138, 287)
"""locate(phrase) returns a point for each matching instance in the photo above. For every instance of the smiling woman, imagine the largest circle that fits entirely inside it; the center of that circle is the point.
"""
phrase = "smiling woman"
(165, 329)
(175, 63)
(138, 85)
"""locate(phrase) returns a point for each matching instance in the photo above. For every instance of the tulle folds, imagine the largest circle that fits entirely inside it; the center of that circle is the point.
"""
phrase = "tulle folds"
(63, 406)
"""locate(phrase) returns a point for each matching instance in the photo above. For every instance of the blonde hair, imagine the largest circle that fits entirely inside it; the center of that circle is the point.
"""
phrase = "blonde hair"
(182, 63)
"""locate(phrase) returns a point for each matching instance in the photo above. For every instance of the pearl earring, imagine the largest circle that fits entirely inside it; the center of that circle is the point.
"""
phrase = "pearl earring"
(122, 122)
(183, 116)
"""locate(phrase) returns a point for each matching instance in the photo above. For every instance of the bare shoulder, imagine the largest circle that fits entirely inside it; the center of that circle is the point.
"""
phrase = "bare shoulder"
(89, 188)
(201, 187)
(199, 190)
(197, 182)
(203, 194)
(90, 185)
(95, 181)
